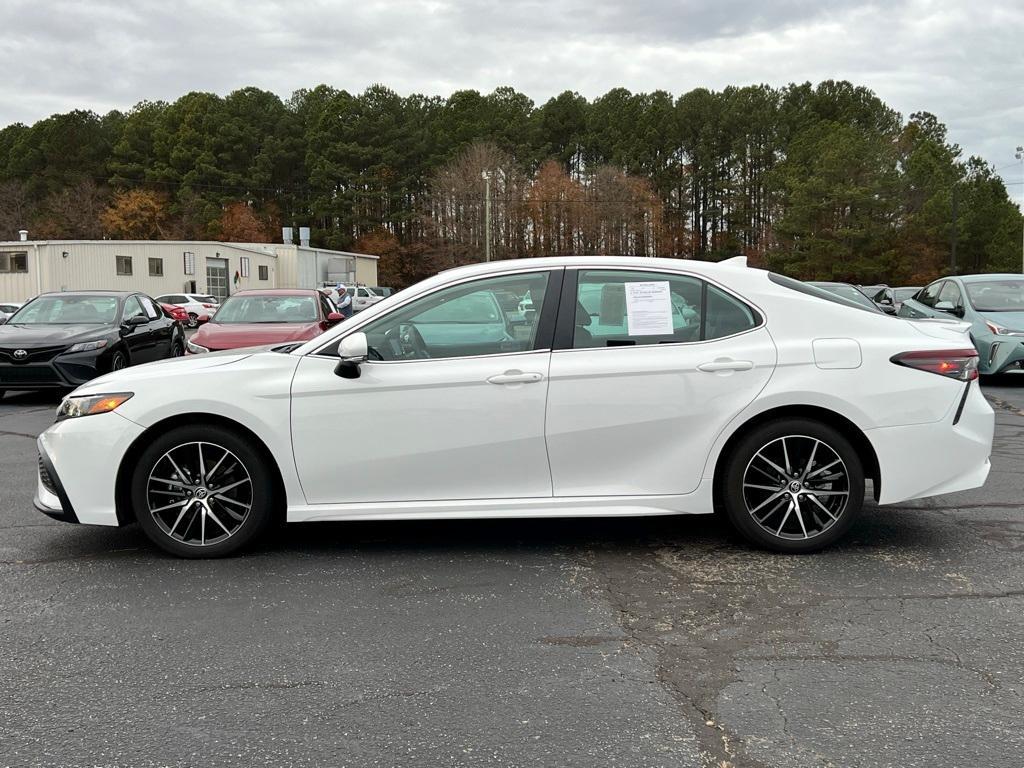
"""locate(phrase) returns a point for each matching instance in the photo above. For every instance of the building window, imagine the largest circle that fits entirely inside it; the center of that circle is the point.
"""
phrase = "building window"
(156, 267)
(190, 263)
(124, 265)
(13, 261)
(264, 272)
(245, 266)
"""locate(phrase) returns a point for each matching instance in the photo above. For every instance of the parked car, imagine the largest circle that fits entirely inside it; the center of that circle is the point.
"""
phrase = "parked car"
(8, 308)
(993, 305)
(362, 297)
(195, 304)
(850, 292)
(265, 316)
(176, 312)
(60, 340)
(776, 404)
(891, 299)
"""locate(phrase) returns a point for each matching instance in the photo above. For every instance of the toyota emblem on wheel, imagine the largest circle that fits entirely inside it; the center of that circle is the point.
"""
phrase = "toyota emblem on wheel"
(20, 354)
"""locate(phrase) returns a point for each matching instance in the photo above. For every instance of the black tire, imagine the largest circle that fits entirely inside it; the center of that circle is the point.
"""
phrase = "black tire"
(177, 349)
(835, 480)
(193, 320)
(181, 530)
(118, 361)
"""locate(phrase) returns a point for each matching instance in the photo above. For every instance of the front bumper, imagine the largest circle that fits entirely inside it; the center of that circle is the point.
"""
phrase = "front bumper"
(921, 460)
(55, 371)
(1002, 354)
(79, 462)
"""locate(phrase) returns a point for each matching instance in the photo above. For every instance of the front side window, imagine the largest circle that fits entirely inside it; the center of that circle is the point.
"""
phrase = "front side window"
(151, 311)
(464, 320)
(617, 308)
(930, 295)
(950, 292)
(132, 308)
(124, 265)
(67, 310)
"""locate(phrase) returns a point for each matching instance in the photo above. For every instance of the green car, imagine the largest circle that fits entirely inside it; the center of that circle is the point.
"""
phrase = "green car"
(992, 304)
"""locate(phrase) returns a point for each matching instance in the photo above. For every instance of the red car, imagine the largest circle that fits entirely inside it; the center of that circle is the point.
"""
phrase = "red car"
(266, 316)
(176, 312)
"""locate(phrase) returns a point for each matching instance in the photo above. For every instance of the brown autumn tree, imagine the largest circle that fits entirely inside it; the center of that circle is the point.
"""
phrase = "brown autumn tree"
(554, 206)
(241, 224)
(15, 209)
(73, 212)
(137, 214)
(401, 265)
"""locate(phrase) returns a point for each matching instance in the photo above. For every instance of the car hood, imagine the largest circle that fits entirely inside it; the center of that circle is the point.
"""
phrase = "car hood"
(1012, 321)
(172, 368)
(222, 336)
(28, 336)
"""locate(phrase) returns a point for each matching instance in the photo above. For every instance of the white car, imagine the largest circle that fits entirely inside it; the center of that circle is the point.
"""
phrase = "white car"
(8, 308)
(196, 304)
(771, 399)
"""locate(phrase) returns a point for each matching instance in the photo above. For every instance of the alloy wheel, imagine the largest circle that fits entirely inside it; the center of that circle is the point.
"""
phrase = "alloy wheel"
(118, 362)
(199, 493)
(796, 487)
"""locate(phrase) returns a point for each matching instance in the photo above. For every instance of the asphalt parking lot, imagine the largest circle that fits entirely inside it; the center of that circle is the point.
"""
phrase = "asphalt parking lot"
(645, 642)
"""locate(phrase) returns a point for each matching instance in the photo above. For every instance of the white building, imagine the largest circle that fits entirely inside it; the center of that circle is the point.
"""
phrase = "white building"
(31, 267)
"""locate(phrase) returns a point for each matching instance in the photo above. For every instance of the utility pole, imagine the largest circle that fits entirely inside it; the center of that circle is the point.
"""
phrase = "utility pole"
(952, 236)
(487, 215)
(1020, 156)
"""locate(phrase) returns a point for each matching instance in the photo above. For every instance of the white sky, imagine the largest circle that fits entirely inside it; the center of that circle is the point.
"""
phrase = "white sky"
(960, 60)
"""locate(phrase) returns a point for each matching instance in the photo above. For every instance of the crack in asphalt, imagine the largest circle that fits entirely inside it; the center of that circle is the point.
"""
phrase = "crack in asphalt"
(17, 434)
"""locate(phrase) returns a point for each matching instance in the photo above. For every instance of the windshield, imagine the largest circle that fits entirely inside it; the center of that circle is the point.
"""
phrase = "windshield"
(67, 310)
(267, 309)
(997, 295)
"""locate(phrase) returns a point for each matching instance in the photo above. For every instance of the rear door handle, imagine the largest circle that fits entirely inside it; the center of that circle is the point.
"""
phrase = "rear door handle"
(515, 377)
(725, 364)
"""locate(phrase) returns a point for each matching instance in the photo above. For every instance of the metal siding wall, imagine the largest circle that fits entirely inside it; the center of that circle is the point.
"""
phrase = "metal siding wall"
(19, 286)
(366, 271)
(92, 265)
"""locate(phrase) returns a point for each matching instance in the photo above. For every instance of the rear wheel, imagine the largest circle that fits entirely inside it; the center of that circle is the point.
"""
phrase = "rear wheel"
(193, 320)
(202, 492)
(793, 486)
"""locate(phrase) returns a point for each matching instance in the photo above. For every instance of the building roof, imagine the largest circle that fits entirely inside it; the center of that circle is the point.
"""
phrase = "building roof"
(267, 249)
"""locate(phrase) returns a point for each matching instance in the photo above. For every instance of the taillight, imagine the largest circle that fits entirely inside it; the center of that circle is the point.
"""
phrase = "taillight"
(209, 306)
(960, 364)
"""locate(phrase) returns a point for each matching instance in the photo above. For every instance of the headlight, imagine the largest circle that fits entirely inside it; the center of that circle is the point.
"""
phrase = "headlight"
(88, 346)
(195, 349)
(87, 405)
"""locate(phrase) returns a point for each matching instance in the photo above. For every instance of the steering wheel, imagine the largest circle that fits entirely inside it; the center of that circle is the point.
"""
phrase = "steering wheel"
(411, 341)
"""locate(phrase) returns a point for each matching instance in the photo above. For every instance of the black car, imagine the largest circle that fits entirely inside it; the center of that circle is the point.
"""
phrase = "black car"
(61, 340)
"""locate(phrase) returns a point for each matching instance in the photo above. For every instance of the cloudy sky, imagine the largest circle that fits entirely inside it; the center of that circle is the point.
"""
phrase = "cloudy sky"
(961, 60)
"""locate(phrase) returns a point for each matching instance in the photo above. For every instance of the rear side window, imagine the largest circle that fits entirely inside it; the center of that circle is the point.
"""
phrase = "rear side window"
(618, 308)
(812, 290)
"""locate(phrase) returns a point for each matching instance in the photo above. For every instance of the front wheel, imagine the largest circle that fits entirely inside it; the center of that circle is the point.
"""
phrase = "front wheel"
(193, 320)
(793, 486)
(202, 492)
(118, 361)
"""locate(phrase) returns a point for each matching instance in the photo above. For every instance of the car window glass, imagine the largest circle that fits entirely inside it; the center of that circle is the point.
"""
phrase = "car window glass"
(325, 305)
(930, 294)
(727, 315)
(132, 308)
(619, 308)
(950, 292)
(460, 321)
(150, 308)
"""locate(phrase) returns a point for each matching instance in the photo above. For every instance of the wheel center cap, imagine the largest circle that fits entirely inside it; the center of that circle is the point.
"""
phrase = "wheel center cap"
(794, 487)
(201, 493)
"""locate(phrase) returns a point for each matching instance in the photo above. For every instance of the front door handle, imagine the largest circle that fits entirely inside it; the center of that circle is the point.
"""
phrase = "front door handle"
(725, 364)
(515, 377)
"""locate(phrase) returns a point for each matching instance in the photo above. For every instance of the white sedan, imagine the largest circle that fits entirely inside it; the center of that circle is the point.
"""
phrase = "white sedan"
(677, 387)
(196, 304)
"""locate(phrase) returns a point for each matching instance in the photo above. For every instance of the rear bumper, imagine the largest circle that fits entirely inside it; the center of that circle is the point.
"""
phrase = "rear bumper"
(921, 460)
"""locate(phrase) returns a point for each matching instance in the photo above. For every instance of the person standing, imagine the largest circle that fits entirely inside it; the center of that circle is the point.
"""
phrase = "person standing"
(344, 301)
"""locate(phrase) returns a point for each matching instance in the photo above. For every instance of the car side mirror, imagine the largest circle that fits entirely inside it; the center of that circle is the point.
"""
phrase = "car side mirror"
(203, 319)
(353, 350)
(944, 306)
(885, 300)
(335, 317)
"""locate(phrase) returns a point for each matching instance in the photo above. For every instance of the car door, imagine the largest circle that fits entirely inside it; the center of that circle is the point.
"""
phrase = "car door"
(445, 414)
(648, 369)
(136, 335)
(161, 328)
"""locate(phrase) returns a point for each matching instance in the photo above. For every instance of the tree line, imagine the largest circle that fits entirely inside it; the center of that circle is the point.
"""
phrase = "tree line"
(818, 181)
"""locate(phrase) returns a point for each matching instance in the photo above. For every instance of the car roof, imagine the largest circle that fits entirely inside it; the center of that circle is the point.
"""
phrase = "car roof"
(118, 294)
(820, 283)
(993, 276)
(275, 292)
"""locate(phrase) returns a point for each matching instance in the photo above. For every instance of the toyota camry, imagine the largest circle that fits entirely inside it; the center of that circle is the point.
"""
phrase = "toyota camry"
(636, 387)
